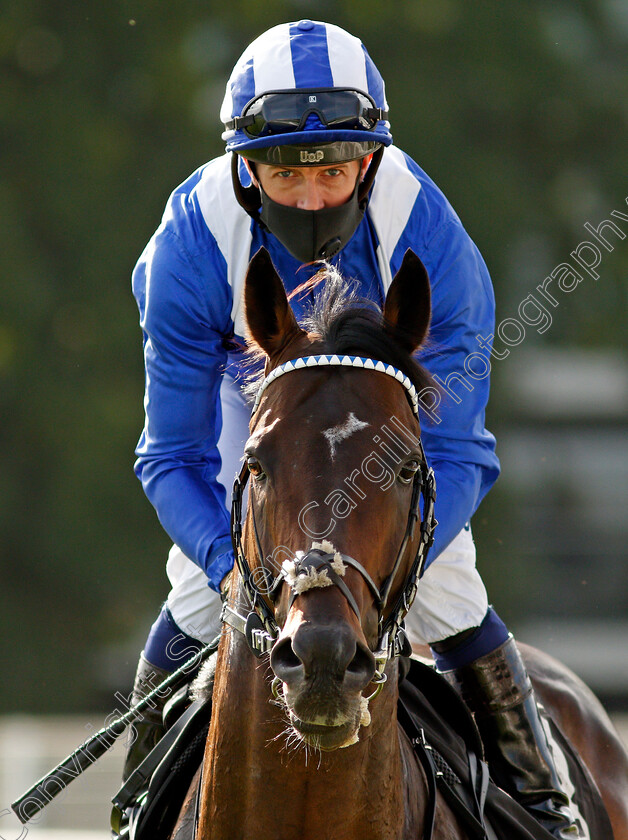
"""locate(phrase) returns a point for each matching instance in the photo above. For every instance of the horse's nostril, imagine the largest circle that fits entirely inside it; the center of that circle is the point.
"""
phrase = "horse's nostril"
(361, 669)
(361, 663)
(284, 661)
(323, 654)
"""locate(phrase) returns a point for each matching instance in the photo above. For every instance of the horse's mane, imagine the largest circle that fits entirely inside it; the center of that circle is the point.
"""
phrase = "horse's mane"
(346, 324)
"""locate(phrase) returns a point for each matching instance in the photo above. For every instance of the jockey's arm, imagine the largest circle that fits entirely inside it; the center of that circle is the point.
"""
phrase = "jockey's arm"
(177, 458)
(460, 449)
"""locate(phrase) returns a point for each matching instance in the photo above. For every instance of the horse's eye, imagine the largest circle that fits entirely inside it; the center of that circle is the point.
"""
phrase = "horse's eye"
(255, 468)
(408, 470)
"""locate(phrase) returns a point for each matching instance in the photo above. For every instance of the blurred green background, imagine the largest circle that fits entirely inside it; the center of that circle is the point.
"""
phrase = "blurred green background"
(518, 111)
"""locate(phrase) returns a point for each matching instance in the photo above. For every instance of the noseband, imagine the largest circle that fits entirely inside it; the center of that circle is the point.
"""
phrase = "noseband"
(259, 626)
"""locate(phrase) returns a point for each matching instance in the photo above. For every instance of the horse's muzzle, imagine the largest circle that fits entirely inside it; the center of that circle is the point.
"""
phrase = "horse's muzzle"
(324, 670)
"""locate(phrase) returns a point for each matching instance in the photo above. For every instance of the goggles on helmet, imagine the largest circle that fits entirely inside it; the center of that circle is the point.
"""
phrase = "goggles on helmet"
(284, 111)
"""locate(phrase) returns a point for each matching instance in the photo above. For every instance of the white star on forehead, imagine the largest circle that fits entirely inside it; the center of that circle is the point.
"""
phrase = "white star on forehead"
(336, 434)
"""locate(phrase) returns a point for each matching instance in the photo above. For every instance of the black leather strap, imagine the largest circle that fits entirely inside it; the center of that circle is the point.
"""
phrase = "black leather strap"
(417, 739)
(139, 779)
(464, 800)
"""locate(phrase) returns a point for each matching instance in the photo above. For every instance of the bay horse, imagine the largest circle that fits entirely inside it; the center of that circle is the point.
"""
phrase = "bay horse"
(304, 743)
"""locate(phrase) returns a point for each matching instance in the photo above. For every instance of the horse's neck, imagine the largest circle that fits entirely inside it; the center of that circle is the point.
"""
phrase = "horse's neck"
(256, 783)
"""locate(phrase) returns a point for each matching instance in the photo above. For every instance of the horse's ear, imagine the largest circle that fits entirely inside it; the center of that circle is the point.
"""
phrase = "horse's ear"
(269, 318)
(407, 308)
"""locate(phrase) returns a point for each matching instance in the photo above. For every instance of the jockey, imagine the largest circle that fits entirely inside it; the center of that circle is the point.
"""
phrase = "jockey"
(310, 173)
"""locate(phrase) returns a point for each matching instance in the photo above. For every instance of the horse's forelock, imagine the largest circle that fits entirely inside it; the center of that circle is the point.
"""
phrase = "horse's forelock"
(350, 324)
(345, 323)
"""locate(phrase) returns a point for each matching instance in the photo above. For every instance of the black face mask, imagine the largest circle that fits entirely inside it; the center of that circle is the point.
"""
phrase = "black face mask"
(313, 234)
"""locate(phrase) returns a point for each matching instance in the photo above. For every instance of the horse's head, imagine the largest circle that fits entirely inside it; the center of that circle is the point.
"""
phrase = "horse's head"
(337, 472)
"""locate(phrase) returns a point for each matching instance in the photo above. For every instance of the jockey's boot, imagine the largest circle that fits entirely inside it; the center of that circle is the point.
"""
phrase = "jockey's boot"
(150, 727)
(497, 689)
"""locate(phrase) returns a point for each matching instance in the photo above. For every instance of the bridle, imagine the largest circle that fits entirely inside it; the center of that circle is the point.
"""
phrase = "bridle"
(259, 626)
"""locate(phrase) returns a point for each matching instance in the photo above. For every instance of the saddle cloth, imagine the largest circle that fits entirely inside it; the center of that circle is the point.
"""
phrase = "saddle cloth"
(429, 707)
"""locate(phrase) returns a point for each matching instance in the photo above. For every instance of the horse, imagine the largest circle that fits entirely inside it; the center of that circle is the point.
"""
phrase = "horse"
(304, 741)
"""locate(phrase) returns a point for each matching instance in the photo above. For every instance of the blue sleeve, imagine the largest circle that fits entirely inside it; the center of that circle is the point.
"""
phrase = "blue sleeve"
(185, 312)
(457, 445)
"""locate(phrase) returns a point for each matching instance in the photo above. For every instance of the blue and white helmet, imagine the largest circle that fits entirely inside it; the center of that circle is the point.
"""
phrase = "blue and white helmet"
(303, 85)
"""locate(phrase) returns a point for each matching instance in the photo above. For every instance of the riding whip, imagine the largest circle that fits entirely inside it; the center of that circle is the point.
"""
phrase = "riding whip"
(51, 785)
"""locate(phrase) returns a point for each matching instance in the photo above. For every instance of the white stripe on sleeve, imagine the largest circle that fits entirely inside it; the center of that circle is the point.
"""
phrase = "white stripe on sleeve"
(230, 226)
(394, 195)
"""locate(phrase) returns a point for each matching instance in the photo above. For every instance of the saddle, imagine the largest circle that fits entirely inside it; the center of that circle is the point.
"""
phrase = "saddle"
(429, 704)
(147, 805)
(442, 733)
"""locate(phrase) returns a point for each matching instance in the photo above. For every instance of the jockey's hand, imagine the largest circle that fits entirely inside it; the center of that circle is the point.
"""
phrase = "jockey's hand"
(225, 584)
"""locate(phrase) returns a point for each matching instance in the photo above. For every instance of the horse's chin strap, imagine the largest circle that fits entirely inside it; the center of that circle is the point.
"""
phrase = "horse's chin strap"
(320, 567)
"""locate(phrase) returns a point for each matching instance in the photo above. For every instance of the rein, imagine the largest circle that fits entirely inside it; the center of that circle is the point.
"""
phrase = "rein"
(259, 626)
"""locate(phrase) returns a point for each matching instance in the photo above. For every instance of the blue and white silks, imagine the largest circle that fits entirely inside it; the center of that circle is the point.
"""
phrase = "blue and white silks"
(188, 285)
